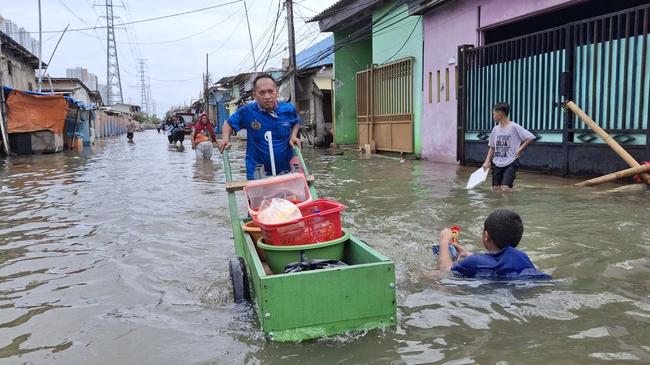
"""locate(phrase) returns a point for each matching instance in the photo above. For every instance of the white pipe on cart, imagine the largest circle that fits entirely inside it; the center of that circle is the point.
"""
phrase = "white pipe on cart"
(268, 136)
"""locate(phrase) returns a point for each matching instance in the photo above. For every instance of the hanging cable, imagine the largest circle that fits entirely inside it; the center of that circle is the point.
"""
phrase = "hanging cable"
(150, 19)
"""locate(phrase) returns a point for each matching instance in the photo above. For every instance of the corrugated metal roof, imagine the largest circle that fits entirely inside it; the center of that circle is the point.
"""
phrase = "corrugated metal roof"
(312, 56)
(332, 9)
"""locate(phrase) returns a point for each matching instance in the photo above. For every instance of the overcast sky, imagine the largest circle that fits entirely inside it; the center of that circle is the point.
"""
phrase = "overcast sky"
(174, 47)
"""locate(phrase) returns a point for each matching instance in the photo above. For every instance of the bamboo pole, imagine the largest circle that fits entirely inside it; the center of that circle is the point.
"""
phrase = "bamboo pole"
(620, 151)
(616, 175)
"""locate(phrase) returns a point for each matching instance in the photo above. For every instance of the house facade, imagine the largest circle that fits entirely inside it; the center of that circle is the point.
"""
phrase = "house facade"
(447, 25)
(535, 55)
(377, 74)
(314, 89)
(72, 87)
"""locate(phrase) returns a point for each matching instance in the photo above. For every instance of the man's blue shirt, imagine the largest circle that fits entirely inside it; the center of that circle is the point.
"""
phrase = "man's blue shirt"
(508, 263)
(257, 121)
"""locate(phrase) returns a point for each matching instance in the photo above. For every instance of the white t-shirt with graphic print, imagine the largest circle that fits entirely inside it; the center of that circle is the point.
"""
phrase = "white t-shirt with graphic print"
(506, 142)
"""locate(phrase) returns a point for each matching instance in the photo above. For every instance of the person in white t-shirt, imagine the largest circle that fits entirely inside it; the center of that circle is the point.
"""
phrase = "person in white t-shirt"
(508, 141)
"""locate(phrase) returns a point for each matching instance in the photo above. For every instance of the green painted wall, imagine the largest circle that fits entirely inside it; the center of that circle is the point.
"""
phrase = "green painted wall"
(397, 36)
(348, 61)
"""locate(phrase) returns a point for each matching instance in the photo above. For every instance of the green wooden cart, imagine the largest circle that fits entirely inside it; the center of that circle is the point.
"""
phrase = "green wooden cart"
(311, 304)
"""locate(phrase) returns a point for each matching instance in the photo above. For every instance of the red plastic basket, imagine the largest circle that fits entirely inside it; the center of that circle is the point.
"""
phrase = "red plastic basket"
(320, 222)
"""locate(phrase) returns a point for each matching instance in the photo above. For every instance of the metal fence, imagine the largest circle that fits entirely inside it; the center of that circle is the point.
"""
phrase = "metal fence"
(600, 63)
(385, 106)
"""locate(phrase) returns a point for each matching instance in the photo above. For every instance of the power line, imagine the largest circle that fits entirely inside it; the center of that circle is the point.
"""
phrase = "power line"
(71, 12)
(191, 35)
(361, 34)
(406, 41)
(235, 28)
(273, 38)
(248, 55)
(149, 19)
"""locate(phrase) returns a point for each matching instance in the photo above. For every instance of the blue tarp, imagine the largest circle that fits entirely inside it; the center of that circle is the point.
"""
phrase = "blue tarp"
(311, 57)
(70, 100)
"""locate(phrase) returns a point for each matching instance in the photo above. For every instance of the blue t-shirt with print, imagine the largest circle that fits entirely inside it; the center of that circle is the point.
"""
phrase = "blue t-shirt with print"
(257, 122)
(507, 263)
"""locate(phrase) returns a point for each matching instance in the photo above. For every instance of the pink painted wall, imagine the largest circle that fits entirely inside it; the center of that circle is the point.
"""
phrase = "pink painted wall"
(445, 29)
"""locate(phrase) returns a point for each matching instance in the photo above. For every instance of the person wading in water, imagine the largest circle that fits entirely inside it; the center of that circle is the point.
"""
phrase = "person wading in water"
(202, 138)
(263, 115)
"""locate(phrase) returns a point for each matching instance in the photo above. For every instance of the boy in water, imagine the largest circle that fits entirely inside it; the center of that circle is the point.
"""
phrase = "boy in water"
(508, 141)
(502, 232)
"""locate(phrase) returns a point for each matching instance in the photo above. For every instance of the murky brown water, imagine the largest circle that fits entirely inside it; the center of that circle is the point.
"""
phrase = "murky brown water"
(120, 256)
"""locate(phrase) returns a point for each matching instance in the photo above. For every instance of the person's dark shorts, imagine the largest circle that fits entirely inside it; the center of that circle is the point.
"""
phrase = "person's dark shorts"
(505, 175)
(129, 135)
(179, 136)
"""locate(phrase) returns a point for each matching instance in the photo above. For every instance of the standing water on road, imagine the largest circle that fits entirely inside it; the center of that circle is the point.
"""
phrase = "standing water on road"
(120, 255)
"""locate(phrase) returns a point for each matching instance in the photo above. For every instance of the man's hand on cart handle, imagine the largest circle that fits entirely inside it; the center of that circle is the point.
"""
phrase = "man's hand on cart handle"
(223, 144)
(295, 141)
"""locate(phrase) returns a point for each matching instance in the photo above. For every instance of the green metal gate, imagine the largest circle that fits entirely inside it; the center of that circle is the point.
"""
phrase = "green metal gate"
(600, 63)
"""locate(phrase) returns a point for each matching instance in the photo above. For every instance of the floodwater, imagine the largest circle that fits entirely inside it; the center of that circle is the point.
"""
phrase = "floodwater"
(119, 256)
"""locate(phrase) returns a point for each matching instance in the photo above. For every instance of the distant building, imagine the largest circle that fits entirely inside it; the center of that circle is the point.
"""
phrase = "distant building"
(8, 27)
(19, 34)
(127, 108)
(82, 74)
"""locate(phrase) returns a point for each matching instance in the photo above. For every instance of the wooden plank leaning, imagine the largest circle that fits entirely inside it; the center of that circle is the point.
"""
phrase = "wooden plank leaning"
(611, 142)
(616, 175)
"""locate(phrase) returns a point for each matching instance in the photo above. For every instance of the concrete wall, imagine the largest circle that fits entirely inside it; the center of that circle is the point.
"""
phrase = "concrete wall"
(391, 42)
(22, 75)
(347, 62)
(446, 28)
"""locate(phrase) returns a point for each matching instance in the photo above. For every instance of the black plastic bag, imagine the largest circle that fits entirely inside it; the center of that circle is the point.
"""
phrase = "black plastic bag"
(306, 264)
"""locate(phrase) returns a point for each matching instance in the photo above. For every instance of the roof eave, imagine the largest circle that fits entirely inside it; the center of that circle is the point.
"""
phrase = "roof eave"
(421, 7)
(333, 20)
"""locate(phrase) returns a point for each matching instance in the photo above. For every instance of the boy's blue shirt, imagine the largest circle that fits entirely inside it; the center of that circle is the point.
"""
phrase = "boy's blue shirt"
(508, 263)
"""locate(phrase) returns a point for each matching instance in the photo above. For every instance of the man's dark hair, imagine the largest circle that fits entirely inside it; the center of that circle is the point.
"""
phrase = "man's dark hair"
(504, 227)
(502, 107)
(263, 76)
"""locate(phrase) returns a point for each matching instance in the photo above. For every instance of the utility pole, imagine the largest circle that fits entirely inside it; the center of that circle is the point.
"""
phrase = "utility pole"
(144, 95)
(152, 103)
(40, 48)
(113, 80)
(292, 53)
(206, 108)
(250, 38)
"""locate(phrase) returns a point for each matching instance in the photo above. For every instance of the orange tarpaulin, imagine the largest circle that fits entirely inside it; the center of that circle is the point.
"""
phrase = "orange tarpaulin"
(31, 113)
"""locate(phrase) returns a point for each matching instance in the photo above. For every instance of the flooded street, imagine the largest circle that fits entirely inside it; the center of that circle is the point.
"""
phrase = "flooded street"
(120, 256)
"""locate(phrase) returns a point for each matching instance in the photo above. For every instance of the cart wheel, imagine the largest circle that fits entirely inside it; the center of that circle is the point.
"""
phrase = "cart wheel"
(239, 280)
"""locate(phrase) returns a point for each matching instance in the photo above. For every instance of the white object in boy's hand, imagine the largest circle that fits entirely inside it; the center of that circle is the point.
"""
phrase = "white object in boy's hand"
(477, 177)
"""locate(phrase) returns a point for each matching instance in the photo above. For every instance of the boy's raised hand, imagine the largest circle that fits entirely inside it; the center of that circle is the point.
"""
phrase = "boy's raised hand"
(445, 236)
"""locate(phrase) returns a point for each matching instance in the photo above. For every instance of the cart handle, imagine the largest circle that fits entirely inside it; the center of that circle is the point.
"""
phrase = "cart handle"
(228, 171)
(298, 153)
(226, 165)
(305, 170)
